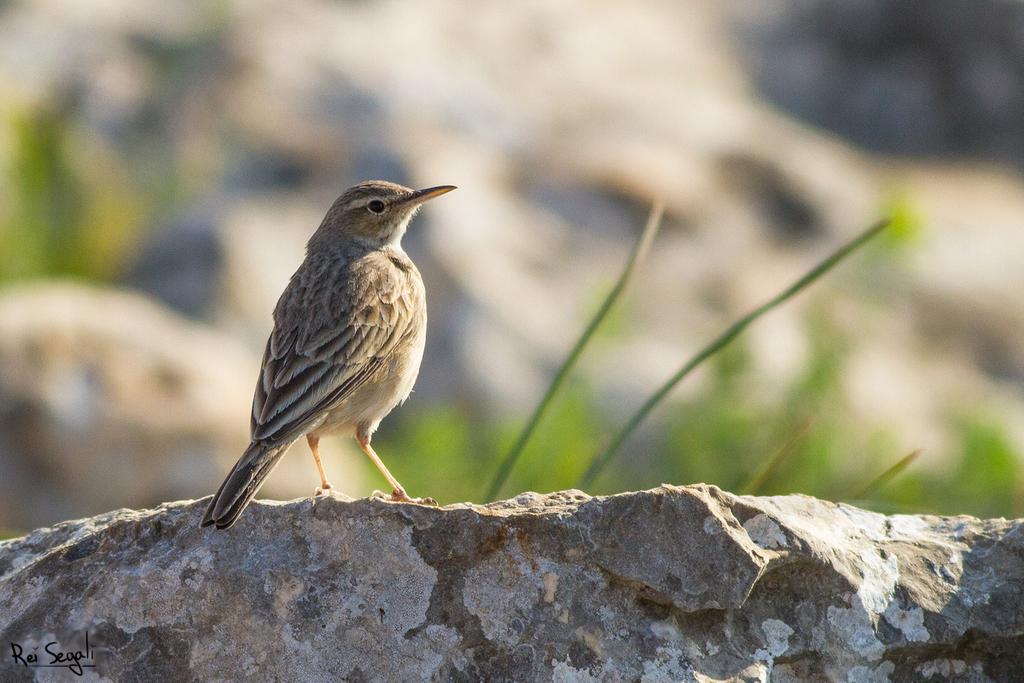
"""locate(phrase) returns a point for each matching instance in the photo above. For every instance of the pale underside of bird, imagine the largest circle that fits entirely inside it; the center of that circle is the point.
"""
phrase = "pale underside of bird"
(346, 345)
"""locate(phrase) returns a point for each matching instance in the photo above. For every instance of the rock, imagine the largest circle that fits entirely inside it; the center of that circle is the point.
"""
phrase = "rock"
(672, 584)
(180, 264)
(108, 399)
(941, 78)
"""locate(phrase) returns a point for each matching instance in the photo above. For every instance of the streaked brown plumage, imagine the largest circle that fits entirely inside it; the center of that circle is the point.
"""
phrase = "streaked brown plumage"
(347, 340)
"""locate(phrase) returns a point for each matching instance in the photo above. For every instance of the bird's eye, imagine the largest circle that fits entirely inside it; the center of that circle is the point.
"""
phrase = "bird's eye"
(376, 206)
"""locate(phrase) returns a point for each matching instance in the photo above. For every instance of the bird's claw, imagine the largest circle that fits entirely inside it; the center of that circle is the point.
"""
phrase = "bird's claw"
(400, 496)
(323, 490)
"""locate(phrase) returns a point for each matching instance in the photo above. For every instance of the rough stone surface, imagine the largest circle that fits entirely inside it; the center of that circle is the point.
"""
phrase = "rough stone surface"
(672, 584)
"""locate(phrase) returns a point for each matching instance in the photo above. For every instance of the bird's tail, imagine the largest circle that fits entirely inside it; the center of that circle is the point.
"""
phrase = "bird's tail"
(242, 483)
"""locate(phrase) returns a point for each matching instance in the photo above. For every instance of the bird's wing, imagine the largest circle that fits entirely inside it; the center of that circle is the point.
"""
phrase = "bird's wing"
(333, 332)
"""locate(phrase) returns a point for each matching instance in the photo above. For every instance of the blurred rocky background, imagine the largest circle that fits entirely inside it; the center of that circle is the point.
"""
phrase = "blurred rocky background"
(162, 165)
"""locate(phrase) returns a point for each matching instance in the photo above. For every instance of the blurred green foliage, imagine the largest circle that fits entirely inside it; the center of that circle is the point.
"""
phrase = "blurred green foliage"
(723, 435)
(906, 227)
(449, 451)
(66, 208)
(982, 477)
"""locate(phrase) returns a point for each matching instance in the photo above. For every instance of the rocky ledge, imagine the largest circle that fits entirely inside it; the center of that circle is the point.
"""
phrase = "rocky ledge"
(673, 584)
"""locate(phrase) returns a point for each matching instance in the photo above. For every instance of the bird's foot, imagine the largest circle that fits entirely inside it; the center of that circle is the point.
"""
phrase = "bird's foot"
(325, 489)
(400, 496)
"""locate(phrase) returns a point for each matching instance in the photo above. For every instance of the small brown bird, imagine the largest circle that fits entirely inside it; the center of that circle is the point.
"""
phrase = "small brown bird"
(346, 345)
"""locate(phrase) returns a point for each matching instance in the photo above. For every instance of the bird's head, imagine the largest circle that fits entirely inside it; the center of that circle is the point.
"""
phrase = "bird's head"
(375, 212)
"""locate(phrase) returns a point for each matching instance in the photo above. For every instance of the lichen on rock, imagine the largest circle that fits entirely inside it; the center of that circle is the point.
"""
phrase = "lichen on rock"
(677, 583)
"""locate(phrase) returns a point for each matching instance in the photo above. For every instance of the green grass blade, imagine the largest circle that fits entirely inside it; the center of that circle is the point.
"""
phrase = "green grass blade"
(605, 457)
(885, 477)
(757, 481)
(640, 249)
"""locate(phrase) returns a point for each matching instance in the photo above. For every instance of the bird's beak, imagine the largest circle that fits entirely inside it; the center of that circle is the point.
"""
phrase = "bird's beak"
(420, 196)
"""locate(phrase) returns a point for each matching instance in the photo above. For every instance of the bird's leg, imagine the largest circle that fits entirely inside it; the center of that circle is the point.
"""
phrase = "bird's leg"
(397, 490)
(314, 445)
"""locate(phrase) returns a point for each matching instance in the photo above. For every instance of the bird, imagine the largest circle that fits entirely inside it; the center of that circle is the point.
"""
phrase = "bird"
(346, 345)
